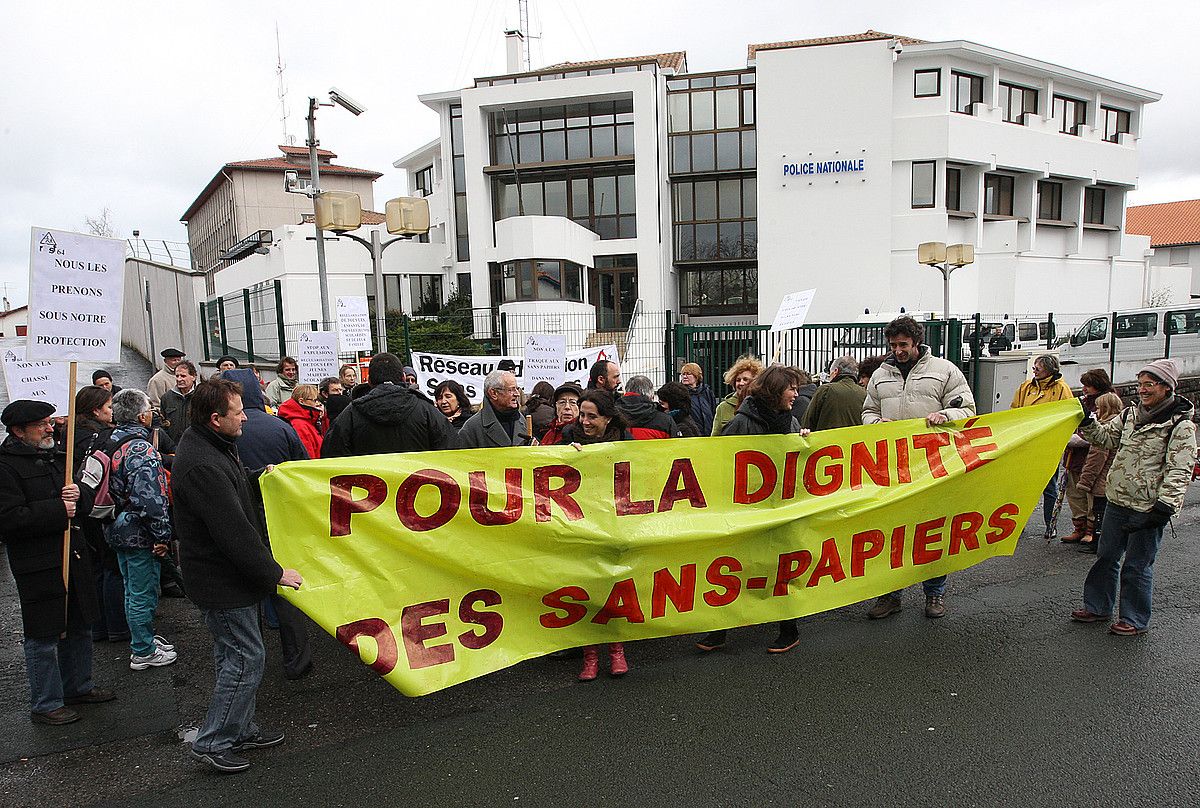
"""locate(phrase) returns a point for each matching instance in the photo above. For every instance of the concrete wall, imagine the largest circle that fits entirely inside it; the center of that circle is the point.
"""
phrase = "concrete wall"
(175, 298)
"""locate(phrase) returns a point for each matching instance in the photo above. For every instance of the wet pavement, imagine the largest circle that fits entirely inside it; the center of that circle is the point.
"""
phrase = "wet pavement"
(1003, 702)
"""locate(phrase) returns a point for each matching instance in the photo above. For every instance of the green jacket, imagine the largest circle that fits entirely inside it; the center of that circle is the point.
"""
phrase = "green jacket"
(1154, 461)
(835, 405)
(726, 409)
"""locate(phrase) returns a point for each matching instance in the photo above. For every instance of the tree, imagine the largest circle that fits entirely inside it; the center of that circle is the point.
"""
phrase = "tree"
(102, 225)
(1161, 296)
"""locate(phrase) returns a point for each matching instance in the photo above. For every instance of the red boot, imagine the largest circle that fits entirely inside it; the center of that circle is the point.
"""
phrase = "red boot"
(591, 664)
(617, 664)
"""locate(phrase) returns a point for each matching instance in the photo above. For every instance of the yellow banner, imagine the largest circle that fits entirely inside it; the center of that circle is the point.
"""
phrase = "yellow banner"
(442, 566)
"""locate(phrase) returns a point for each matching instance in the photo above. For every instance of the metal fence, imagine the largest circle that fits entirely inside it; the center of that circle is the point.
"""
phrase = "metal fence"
(247, 325)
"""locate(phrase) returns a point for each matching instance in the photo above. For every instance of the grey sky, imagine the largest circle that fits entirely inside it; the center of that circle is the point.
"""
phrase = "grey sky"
(135, 105)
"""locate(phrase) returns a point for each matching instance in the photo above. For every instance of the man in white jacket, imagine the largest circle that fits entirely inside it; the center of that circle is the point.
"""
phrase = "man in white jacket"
(913, 383)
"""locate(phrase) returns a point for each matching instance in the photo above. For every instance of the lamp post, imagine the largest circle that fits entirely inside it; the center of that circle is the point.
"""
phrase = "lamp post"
(945, 259)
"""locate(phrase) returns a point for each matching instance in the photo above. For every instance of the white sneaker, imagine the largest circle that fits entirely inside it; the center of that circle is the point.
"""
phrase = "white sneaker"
(158, 659)
(161, 642)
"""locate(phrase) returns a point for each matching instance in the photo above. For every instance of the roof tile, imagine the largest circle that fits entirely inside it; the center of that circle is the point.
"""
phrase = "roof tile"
(1166, 223)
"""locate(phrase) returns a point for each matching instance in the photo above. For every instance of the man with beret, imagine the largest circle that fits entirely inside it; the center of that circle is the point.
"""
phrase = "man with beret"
(35, 511)
(1155, 443)
(164, 380)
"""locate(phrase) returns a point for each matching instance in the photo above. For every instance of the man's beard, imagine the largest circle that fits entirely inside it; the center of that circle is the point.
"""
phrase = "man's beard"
(45, 443)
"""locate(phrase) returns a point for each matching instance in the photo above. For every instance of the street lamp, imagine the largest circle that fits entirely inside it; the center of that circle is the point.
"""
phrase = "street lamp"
(945, 259)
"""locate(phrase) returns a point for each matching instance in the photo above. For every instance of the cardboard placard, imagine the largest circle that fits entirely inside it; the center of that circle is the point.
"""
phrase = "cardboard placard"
(317, 356)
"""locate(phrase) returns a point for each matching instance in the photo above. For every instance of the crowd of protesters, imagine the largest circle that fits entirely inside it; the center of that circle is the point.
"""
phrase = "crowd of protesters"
(171, 473)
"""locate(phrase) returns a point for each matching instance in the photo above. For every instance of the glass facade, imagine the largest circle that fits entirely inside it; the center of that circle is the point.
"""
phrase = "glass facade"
(536, 279)
(557, 133)
(602, 199)
(463, 244)
(613, 291)
(426, 293)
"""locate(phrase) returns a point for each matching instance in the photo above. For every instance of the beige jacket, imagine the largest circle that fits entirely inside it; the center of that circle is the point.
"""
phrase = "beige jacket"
(933, 385)
(160, 383)
(1153, 462)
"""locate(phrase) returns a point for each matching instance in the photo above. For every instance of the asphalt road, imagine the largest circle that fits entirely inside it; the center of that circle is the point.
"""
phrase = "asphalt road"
(1003, 702)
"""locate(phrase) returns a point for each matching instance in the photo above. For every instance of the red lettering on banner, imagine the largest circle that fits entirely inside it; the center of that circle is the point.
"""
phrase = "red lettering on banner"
(876, 467)
(681, 484)
(903, 472)
(790, 462)
(386, 652)
(492, 623)
(964, 531)
(863, 547)
(833, 473)
(741, 464)
(897, 547)
(1003, 523)
(932, 443)
(415, 634)
(572, 612)
(342, 503)
(830, 563)
(730, 585)
(964, 442)
(926, 534)
(622, 604)
(478, 499)
(543, 494)
(625, 506)
(791, 566)
(681, 592)
(449, 498)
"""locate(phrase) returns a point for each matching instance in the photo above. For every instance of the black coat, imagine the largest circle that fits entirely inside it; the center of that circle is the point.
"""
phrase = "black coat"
(752, 418)
(390, 418)
(222, 541)
(32, 522)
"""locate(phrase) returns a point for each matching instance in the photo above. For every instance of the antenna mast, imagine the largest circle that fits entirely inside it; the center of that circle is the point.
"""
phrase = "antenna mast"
(281, 93)
(523, 8)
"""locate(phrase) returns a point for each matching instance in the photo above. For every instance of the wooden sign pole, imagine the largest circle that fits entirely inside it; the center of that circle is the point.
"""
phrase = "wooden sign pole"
(70, 439)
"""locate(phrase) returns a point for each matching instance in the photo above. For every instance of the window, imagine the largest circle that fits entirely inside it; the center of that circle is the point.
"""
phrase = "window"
(1017, 101)
(536, 279)
(927, 83)
(1070, 113)
(423, 181)
(1184, 322)
(1027, 332)
(1136, 325)
(998, 194)
(715, 219)
(1097, 328)
(463, 243)
(1116, 123)
(953, 188)
(1050, 200)
(613, 291)
(723, 289)
(426, 293)
(556, 133)
(1179, 257)
(968, 90)
(922, 183)
(1093, 205)
(602, 199)
(711, 122)
(463, 283)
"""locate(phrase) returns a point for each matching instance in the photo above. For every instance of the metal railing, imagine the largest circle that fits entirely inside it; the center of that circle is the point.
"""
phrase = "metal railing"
(173, 253)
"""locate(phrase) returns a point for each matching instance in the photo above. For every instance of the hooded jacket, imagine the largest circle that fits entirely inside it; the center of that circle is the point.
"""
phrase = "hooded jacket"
(1154, 461)
(644, 418)
(753, 418)
(390, 418)
(931, 385)
(138, 486)
(308, 423)
(265, 439)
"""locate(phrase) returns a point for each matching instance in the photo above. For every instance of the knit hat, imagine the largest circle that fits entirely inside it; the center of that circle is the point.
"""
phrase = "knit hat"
(1165, 370)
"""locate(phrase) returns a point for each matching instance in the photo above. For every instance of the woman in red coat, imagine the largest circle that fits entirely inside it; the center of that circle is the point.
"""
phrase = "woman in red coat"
(306, 415)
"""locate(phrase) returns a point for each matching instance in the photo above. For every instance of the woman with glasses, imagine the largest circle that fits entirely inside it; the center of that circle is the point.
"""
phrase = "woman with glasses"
(306, 414)
(566, 411)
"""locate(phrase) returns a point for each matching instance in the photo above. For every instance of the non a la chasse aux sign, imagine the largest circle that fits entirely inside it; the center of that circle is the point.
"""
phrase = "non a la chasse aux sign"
(855, 165)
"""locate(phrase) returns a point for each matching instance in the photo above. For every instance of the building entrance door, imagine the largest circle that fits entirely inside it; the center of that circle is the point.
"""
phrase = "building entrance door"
(614, 291)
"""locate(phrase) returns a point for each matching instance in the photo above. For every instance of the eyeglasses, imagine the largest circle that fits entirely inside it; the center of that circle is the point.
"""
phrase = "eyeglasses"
(567, 402)
(1148, 385)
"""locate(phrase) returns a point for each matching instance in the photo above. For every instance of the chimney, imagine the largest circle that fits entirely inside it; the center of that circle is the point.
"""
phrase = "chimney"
(515, 48)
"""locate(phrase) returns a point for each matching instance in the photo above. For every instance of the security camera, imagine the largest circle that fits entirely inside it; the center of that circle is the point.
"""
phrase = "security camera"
(346, 102)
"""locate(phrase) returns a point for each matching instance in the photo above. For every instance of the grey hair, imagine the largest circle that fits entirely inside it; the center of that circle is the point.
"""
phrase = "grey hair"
(128, 405)
(845, 365)
(640, 386)
(1049, 362)
(495, 379)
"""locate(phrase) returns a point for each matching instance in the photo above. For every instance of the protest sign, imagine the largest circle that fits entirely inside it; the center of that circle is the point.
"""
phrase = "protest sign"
(470, 371)
(545, 360)
(793, 310)
(76, 295)
(438, 567)
(37, 381)
(354, 325)
(317, 356)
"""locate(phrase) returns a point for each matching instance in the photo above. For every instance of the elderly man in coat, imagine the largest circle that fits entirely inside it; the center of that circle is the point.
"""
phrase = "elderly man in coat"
(913, 383)
(35, 512)
(498, 422)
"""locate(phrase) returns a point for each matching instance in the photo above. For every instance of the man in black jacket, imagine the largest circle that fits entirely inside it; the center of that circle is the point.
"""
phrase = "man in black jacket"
(229, 569)
(391, 418)
(35, 512)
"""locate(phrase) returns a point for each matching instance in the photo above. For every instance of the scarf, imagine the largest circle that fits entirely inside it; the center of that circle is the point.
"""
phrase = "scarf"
(1145, 416)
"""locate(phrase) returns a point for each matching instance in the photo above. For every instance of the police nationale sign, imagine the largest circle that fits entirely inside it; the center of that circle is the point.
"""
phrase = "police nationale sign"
(813, 168)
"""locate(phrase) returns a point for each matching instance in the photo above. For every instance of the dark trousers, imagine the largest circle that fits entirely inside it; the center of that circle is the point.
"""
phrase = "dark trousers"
(293, 638)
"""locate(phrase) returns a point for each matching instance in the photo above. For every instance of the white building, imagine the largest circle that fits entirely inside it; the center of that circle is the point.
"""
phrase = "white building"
(1174, 231)
(579, 189)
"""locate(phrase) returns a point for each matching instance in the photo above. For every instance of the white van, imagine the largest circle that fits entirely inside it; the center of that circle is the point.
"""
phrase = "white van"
(1140, 336)
(1025, 334)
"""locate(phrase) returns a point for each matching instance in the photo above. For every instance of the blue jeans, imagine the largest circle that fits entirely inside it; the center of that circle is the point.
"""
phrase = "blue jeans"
(934, 586)
(58, 667)
(239, 657)
(1125, 533)
(141, 597)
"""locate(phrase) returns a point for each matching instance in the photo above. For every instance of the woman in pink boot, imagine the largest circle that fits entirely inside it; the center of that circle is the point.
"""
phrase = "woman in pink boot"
(598, 422)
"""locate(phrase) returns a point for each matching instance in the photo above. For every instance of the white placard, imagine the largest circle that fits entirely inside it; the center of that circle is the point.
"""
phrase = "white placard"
(76, 295)
(793, 310)
(37, 381)
(354, 324)
(317, 356)
(469, 371)
(545, 360)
